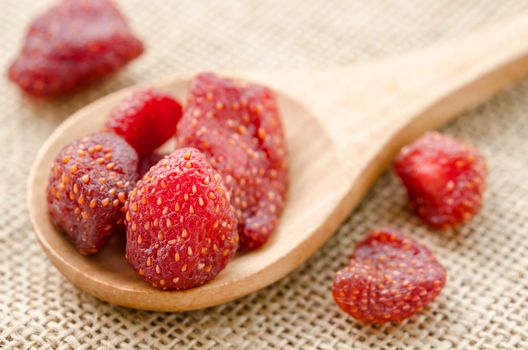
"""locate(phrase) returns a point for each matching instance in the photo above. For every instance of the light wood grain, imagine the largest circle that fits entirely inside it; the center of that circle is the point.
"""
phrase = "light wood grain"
(343, 126)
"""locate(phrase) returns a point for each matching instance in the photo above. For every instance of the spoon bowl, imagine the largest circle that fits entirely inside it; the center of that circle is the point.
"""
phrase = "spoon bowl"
(108, 276)
(342, 127)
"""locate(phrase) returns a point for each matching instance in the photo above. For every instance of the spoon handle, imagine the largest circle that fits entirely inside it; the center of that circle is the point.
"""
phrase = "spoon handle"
(438, 83)
(388, 103)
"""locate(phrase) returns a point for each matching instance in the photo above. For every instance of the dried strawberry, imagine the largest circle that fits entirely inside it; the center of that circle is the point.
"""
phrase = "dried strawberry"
(146, 119)
(72, 44)
(148, 161)
(181, 228)
(444, 179)
(238, 127)
(390, 277)
(88, 186)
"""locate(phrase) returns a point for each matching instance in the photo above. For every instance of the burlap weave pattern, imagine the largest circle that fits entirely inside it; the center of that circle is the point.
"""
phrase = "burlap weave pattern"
(485, 302)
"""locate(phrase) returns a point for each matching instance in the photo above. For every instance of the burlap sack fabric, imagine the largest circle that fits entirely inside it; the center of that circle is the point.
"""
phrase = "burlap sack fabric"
(485, 302)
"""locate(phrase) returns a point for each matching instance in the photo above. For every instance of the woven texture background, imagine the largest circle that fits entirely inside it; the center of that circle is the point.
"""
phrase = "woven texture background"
(485, 302)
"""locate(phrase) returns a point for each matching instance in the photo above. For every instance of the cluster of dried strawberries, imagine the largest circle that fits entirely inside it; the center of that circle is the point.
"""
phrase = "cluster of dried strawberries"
(223, 188)
(221, 191)
(192, 210)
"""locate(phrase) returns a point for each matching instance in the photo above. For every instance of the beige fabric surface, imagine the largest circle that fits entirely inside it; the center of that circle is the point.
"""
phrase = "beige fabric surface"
(485, 302)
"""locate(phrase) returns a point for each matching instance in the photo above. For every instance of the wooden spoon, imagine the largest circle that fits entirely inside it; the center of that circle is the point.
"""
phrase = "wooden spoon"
(343, 127)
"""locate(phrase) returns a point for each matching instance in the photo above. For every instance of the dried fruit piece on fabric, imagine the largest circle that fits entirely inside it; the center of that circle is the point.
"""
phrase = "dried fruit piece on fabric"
(72, 44)
(444, 178)
(238, 127)
(181, 228)
(389, 277)
(146, 119)
(88, 185)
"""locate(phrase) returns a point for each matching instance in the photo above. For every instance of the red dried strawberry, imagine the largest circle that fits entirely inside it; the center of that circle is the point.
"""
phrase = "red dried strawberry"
(390, 277)
(238, 127)
(146, 119)
(444, 179)
(181, 228)
(73, 44)
(88, 186)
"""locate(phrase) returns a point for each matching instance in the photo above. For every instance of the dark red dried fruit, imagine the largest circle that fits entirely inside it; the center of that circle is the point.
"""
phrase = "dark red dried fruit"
(148, 161)
(88, 186)
(238, 127)
(146, 119)
(181, 228)
(390, 277)
(445, 179)
(72, 44)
